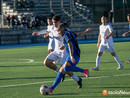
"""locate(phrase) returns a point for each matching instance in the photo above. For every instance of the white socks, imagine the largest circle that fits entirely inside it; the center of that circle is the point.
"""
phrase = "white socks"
(98, 61)
(75, 77)
(117, 60)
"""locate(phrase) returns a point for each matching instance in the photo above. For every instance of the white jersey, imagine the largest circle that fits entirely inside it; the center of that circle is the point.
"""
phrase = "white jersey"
(51, 44)
(105, 30)
(49, 29)
(58, 40)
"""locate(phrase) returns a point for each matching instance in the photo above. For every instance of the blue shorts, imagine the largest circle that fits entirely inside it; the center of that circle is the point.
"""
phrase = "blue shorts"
(76, 60)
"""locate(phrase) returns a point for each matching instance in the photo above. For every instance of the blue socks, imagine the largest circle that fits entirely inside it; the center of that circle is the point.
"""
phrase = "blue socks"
(73, 68)
(57, 80)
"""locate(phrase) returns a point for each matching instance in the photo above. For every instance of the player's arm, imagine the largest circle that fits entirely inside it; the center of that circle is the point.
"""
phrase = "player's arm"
(99, 39)
(46, 35)
(79, 34)
(35, 34)
(109, 35)
(71, 51)
(124, 34)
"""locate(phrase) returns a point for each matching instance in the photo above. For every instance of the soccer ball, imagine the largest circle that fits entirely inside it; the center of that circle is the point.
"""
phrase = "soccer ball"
(45, 90)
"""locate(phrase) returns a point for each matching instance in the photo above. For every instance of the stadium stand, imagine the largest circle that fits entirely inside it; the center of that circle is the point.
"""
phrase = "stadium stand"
(75, 14)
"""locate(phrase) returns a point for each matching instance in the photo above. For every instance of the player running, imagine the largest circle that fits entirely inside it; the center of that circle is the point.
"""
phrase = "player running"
(51, 44)
(59, 53)
(105, 36)
(73, 54)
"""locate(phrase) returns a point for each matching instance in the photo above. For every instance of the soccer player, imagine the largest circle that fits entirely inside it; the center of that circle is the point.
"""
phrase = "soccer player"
(59, 53)
(73, 54)
(51, 44)
(128, 18)
(105, 37)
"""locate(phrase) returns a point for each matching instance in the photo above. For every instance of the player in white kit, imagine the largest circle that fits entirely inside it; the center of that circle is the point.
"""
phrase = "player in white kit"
(105, 41)
(59, 52)
(48, 32)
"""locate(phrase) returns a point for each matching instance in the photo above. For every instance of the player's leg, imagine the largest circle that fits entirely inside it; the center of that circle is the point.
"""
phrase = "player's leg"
(120, 66)
(71, 74)
(48, 62)
(98, 58)
(111, 49)
(62, 71)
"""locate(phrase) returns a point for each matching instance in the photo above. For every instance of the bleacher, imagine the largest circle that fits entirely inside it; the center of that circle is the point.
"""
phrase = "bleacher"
(78, 16)
(65, 8)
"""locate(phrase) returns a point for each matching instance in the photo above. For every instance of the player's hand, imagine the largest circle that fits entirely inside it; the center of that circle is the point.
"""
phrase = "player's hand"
(107, 37)
(44, 36)
(35, 34)
(72, 59)
(62, 47)
(124, 34)
(88, 30)
(98, 45)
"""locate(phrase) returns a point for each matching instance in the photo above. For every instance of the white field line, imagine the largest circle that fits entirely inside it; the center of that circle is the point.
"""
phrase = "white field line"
(18, 61)
(15, 85)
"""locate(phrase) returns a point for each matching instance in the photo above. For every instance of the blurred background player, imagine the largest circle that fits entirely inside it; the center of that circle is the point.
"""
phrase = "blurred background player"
(105, 37)
(73, 54)
(124, 34)
(51, 44)
(128, 18)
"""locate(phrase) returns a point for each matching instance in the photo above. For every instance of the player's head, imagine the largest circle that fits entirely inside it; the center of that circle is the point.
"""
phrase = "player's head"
(128, 17)
(61, 27)
(49, 21)
(103, 20)
(56, 19)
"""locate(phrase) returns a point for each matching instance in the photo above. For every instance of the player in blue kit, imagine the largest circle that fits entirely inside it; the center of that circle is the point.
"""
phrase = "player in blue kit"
(73, 52)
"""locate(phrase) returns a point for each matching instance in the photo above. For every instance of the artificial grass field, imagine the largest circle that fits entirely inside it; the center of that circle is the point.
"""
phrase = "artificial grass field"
(22, 73)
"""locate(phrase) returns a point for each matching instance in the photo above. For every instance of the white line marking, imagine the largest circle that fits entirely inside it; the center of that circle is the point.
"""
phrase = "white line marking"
(14, 61)
(65, 80)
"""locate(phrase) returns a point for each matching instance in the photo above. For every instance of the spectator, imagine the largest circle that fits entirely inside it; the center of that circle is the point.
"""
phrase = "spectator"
(24, 22)
(13, 21)
(8, 20)
(32, 22)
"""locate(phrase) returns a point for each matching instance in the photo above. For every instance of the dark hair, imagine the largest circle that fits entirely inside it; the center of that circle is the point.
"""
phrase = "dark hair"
(128, 15)
(61, 24)
(56, 18)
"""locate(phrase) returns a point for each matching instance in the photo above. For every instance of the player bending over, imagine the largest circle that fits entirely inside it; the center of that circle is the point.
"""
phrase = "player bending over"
(105, 36)
(73, 54)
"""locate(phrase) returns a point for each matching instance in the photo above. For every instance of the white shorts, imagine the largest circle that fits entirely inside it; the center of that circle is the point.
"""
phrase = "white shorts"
(109, 47)
(51, 44)
(58, 55)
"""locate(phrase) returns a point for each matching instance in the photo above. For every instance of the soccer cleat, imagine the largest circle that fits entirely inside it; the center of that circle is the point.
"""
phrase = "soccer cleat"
(86, 73)
(51, 90)
(79, 83)
(95, 68)
(120, 67)
(63, 78)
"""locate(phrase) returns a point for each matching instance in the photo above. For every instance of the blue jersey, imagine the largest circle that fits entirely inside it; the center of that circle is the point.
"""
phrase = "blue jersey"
(70, 36)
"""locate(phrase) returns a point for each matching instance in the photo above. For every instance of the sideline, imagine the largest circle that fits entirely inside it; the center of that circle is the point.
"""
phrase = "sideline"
(126, 39)
(108, 76)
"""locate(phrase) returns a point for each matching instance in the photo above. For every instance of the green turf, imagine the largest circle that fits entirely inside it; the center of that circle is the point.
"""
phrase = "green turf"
(16, 69)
